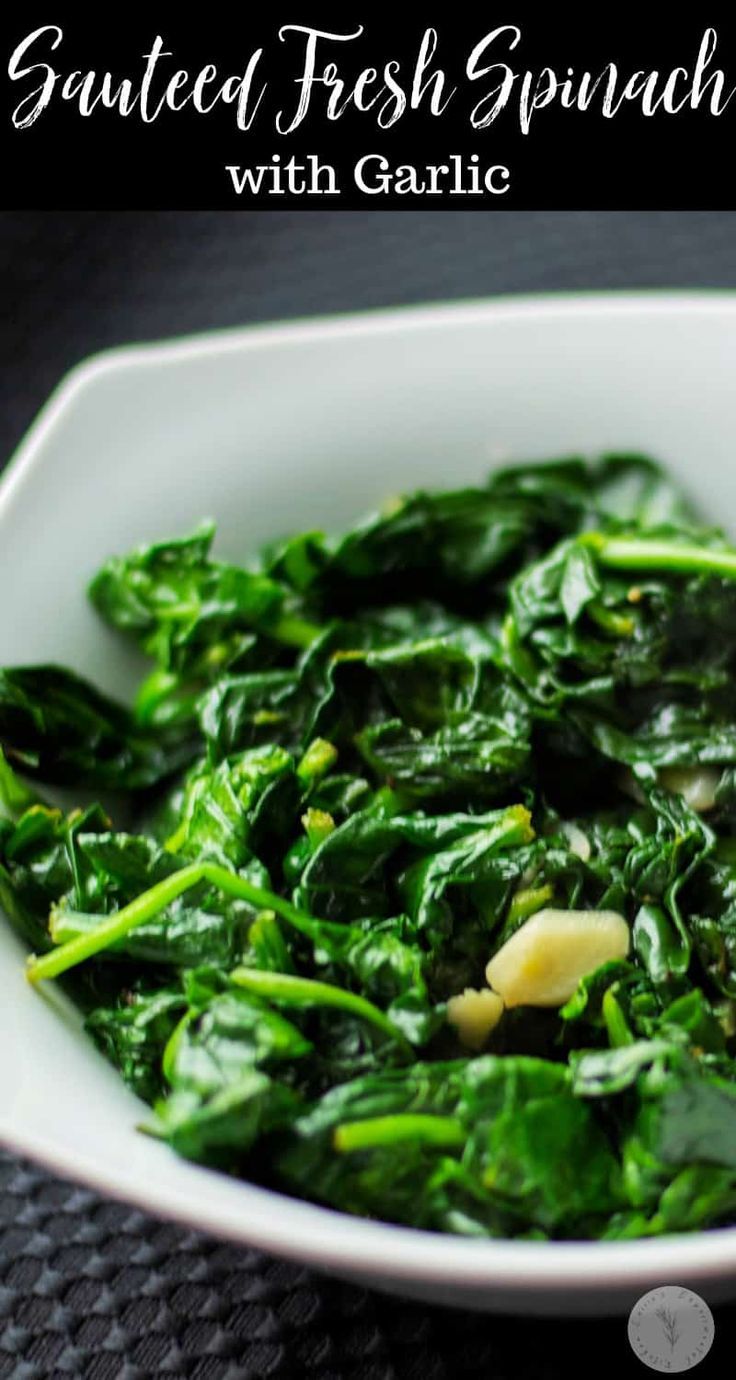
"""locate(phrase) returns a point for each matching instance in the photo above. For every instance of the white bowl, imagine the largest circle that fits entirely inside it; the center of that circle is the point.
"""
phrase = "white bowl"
(272, 429)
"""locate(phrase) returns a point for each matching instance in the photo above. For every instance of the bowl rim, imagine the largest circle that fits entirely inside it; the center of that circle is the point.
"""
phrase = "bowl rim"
(298, 331)
(277, 1222)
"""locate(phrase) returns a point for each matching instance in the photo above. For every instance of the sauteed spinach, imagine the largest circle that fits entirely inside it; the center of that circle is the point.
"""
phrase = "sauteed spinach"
(428, 906)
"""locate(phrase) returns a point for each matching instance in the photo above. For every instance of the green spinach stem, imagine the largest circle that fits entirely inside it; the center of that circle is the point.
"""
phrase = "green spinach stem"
(391, 1130)
(150, 903)
(280, 986)
(301, 991)
(658, 553)
(294, 631)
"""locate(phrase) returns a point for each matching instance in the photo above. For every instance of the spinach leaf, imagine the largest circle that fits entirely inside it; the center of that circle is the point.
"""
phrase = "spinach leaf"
(523, 1136)
(133, 1033)
(56, 726)
(191, 613)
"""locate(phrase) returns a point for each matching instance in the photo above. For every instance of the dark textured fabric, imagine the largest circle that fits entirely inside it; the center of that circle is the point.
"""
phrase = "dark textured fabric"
(93, 1290)
(73, 284)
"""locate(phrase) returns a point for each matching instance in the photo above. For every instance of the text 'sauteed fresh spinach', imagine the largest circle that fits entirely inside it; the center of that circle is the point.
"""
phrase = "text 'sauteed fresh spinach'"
(427, 909)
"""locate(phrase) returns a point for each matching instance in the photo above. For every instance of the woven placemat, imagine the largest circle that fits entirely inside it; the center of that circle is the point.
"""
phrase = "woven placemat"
(94, 1290)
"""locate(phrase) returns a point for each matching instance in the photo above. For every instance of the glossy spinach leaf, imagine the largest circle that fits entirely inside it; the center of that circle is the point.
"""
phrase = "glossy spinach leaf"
(57, 727)
(359, 766)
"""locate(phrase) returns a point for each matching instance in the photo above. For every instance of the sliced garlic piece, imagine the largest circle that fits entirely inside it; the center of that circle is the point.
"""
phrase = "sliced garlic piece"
(578, 841)
(542, 963)
(696, 785)
(474, 1015)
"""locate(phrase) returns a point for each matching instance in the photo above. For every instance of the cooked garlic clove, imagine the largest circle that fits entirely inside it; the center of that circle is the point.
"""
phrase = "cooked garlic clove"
(578, 841)
(474, 1015)
(543, 962)
(696, 785)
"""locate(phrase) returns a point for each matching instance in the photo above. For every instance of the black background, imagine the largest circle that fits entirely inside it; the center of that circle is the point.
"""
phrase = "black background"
(98, 1292)
(570, 159)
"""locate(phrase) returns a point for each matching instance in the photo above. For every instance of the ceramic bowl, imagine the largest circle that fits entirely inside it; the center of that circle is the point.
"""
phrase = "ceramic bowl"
(277, 428)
